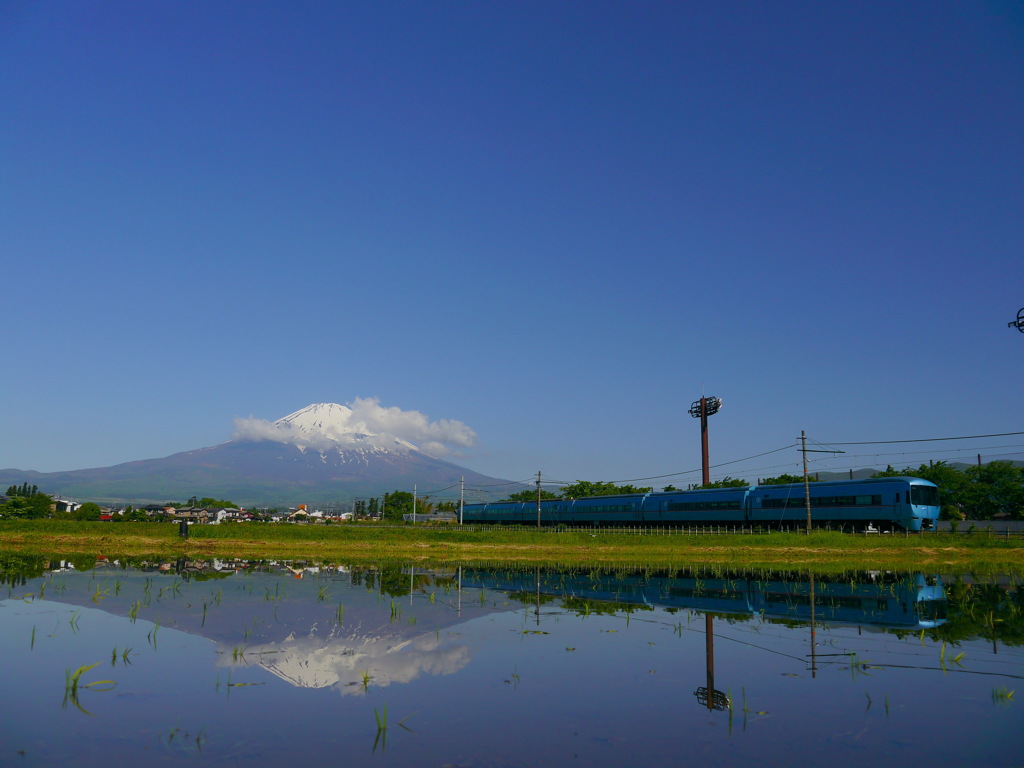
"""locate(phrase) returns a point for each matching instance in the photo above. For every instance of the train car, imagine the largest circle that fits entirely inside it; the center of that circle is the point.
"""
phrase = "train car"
(719, 506)
(605, 510)
(883, 503)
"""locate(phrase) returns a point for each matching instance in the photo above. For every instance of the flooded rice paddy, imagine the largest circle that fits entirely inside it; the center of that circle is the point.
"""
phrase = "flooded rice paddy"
(273, 663)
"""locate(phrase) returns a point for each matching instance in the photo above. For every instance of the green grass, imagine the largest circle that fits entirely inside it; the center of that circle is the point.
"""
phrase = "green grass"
(822, 551)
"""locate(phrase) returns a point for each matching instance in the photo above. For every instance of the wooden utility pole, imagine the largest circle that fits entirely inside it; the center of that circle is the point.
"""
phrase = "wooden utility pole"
(807, 482)
(538, 499)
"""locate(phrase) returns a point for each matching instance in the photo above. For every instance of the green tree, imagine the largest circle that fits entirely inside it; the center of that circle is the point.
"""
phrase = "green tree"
(784, 479)
(529, 495)
(396, 504)
(995, 488)
(726, 482)
(24, 490)
(582, 488)
(33, 506)
(207, 503)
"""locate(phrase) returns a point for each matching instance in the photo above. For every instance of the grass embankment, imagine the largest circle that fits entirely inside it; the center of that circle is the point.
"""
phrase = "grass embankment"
(820, 552)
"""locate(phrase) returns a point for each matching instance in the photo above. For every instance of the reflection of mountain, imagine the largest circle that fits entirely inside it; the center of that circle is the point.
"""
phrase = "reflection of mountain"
(323, 630)
(312, 662)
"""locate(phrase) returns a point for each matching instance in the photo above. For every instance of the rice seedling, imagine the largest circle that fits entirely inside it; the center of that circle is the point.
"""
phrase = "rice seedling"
(73, 621)
(32, 644)
(73, 682)
(366, 678)
(382, 727)
(133, 611)
(100, 595)
(151, 637)
(1002, 696)
(340, 614)
(322, 594)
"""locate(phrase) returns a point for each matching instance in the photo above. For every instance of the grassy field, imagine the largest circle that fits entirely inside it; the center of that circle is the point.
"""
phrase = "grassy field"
(821, 552)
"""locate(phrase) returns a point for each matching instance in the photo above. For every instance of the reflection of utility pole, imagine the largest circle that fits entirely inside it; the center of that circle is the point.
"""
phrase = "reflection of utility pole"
(814, 644)
(460, 592)
(537, 611)
(709, 697)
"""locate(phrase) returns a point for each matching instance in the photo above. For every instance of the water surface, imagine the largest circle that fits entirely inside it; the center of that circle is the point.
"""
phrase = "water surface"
(233, 663)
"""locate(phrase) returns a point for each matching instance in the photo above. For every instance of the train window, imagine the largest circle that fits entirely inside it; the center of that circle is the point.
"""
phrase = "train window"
(924, 495)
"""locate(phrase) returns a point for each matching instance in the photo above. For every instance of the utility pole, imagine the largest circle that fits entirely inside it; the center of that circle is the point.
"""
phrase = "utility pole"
(807, 482)
(462, 496)
(538, 499)
(414, 502)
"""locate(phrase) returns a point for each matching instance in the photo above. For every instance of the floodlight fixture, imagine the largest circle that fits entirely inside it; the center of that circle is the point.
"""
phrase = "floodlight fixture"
(1019, 322)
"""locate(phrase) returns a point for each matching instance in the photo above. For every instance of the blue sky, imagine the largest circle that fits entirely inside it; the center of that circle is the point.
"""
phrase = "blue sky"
(555, 222)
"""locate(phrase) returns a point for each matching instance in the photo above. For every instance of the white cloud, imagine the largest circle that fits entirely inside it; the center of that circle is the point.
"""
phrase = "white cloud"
(363, 421)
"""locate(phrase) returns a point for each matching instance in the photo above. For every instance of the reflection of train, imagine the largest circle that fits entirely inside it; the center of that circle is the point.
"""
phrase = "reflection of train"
(908, 602)
(907, 503)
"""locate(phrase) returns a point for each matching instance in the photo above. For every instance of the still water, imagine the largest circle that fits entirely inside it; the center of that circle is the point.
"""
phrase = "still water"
(273, 663)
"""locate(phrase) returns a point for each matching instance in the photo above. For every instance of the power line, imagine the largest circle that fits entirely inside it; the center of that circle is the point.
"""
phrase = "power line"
(927, 439)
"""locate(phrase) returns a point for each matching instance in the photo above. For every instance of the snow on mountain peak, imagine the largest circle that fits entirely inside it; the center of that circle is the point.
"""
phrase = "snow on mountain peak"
(363, 424)
(334, 424)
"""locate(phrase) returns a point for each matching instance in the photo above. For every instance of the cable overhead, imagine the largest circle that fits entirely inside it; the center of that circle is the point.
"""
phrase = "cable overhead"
(927, 439)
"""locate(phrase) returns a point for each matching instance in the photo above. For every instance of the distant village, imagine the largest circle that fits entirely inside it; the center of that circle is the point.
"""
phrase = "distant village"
(26, 501)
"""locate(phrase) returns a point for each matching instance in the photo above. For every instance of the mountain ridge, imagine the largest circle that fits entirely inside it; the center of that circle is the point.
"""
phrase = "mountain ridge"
(317, 455)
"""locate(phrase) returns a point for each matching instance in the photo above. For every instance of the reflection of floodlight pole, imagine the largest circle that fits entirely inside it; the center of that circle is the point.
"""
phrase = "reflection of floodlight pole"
(701, 409)
(1019, 322)
(709, 697)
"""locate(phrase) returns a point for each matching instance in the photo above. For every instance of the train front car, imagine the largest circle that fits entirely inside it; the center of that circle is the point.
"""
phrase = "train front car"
(923, 509)
(882, 504)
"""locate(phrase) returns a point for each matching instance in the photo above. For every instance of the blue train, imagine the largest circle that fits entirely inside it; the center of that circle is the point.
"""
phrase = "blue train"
(885, 503)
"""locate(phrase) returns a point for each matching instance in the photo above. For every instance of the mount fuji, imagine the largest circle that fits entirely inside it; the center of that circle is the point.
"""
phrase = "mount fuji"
(324, 453)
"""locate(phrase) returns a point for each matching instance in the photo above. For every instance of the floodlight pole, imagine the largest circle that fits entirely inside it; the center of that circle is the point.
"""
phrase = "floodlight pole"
(701, 409)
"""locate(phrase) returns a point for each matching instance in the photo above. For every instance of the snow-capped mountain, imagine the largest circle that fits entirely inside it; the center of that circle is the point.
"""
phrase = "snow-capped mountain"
(323, 453)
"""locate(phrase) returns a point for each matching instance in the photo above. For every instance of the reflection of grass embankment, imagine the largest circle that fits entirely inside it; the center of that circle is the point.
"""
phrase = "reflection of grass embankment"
(821, 551)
